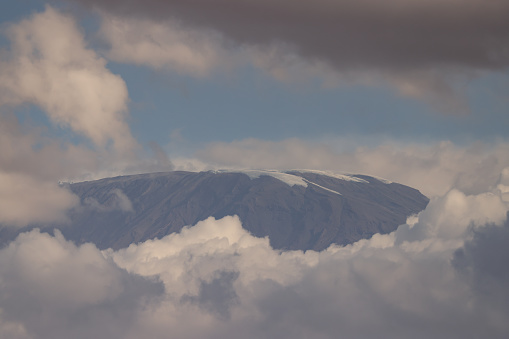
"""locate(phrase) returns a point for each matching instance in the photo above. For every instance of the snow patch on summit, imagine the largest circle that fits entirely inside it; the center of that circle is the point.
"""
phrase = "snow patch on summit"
(325, 188)
(289, 179)
(385, 181)
(344, 177)
(294, 179)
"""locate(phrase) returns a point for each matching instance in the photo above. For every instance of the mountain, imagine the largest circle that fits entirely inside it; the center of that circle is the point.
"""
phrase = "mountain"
(295, 209)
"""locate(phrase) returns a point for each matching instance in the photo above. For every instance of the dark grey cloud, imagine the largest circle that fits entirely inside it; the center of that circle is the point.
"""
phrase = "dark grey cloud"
(483, 261)
(388, 35)
(216, 296)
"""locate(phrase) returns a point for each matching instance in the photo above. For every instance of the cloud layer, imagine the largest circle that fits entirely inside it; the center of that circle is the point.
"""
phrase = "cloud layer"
(351, 34)
(425, 49)
(434, 169)
(441, 275)
(53, 289)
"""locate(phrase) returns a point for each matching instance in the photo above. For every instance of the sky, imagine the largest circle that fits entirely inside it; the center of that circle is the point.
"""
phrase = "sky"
(413, 91)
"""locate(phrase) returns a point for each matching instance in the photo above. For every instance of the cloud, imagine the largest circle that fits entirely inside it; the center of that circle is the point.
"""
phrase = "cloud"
(433, 169)
(387, 287)
(24, 200)
(367, 33)
(216, 296)
(172, 46)
(115, 200)
(160, 45)
(49, 65)
(421, 280)
(482, 261)
(30, 167)
(52, 289)
(29, 150)
(161, 161)
(425, 49)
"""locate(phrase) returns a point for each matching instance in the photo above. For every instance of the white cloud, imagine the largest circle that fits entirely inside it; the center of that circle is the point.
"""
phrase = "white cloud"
(30, 166)
(433, 169)
(161, 45)
(24, 200)
(49, 65)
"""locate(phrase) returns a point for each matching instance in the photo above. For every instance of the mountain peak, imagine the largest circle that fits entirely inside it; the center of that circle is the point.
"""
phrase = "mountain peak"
(296, 209)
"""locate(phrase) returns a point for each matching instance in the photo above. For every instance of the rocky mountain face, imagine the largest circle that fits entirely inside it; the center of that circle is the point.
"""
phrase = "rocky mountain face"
(295, 209)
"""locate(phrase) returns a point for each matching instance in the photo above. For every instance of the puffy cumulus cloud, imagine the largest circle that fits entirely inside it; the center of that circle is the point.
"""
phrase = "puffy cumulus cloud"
(433, 169)
(423, 280)
(425, 49)
(452, 216)
(49, 65)
(52, 289)
(390, 286)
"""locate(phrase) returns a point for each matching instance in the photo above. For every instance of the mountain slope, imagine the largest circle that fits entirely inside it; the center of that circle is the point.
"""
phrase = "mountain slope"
(297, 209)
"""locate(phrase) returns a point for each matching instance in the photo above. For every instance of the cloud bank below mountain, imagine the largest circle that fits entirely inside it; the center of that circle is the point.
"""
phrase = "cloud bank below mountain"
(438, 276)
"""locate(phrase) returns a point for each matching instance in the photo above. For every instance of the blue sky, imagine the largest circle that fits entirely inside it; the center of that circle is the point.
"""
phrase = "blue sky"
(256, 106)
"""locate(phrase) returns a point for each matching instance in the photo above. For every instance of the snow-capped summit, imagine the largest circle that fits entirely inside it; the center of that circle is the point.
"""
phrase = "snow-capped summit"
(296, 209)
